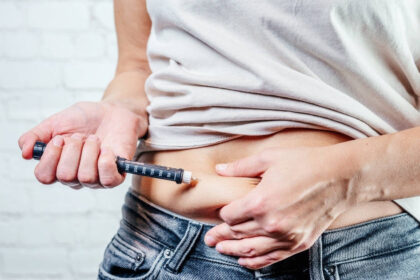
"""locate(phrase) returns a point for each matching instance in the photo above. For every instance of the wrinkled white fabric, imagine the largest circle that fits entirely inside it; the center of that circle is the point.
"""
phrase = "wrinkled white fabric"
(226, 68)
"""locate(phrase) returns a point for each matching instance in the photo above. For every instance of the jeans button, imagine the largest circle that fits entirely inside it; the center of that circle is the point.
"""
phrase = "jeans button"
(167, 253)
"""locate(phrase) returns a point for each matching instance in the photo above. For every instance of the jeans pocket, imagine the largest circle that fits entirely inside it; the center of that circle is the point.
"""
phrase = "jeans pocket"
(130, 258)
(398, 264)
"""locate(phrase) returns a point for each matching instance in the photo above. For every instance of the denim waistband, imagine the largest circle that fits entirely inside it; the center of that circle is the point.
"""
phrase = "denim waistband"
(372, 238)
(184, 236)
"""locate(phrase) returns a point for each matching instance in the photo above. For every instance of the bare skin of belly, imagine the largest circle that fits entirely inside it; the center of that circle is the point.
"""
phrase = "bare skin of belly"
(203, 201)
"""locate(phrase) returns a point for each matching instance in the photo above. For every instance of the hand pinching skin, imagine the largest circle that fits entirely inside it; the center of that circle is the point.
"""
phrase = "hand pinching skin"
(294, 203)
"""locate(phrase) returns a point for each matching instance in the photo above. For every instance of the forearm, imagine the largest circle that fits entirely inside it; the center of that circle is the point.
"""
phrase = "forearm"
(383, 167)
(133, 28)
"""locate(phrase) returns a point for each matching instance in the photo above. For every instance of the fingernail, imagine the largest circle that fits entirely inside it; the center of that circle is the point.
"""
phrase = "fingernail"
(221, 166)
(58, 141)
(209, 240)
(219, 247)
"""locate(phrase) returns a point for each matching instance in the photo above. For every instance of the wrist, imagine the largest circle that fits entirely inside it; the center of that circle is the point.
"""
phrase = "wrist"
(134, 105)
(346, 170)
(363, 163)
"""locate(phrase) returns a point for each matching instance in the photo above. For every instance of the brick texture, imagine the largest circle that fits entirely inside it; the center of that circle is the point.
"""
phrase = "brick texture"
(52, 54)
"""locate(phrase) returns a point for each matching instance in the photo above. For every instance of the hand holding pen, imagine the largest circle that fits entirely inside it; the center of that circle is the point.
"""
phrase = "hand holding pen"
(83, 142)
(177, 175)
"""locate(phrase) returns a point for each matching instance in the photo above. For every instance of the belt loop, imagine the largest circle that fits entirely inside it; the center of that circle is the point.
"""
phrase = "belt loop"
(315, 260)
(184, 247)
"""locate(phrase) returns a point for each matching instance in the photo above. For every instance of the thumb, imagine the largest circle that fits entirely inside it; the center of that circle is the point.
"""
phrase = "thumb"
(42, 132)
(251, 166)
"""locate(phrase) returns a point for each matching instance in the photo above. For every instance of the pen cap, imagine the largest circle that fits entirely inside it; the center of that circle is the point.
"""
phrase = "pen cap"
(186, 177)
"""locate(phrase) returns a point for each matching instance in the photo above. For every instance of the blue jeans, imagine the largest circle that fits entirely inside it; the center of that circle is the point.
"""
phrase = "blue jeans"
(154, 243)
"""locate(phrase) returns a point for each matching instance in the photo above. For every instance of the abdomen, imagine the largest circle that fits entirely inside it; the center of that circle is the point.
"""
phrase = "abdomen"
(211, 192)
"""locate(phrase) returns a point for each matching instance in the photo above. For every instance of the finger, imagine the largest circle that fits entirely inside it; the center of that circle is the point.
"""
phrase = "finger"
(41, 132)
(243, 209)
(269, 258)
(251, 247)
(69, 160)
(218, 233)
(87, 173)
(264, 260)
(108, 172)
(223, 232)
(45, 171)
(252, 166)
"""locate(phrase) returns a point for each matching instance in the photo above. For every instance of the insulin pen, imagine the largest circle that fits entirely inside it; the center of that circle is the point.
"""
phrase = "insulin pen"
(177, 175)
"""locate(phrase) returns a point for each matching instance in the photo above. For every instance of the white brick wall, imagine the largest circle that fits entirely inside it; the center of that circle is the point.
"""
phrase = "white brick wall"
(52, 54)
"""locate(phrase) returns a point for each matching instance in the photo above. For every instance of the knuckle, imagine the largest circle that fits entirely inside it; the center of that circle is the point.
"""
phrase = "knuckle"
(236, 166)
(106, 165)
(227, 220)
(237, 234)
(87, 177)
(257, 206)
(44, 177)
(65, 176)
(223, 231)
(226, 216)
(109, 181)
(249, 251)
(298, 242)
(92, 139)
(76, 139)
(223, 215)
(272, 225)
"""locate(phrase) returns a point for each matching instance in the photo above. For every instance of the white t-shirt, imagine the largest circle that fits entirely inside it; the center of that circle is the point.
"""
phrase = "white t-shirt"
(226, 68)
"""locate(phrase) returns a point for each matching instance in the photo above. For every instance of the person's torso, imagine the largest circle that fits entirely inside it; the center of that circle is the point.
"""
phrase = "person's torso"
(227, 68)
(250, 67)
